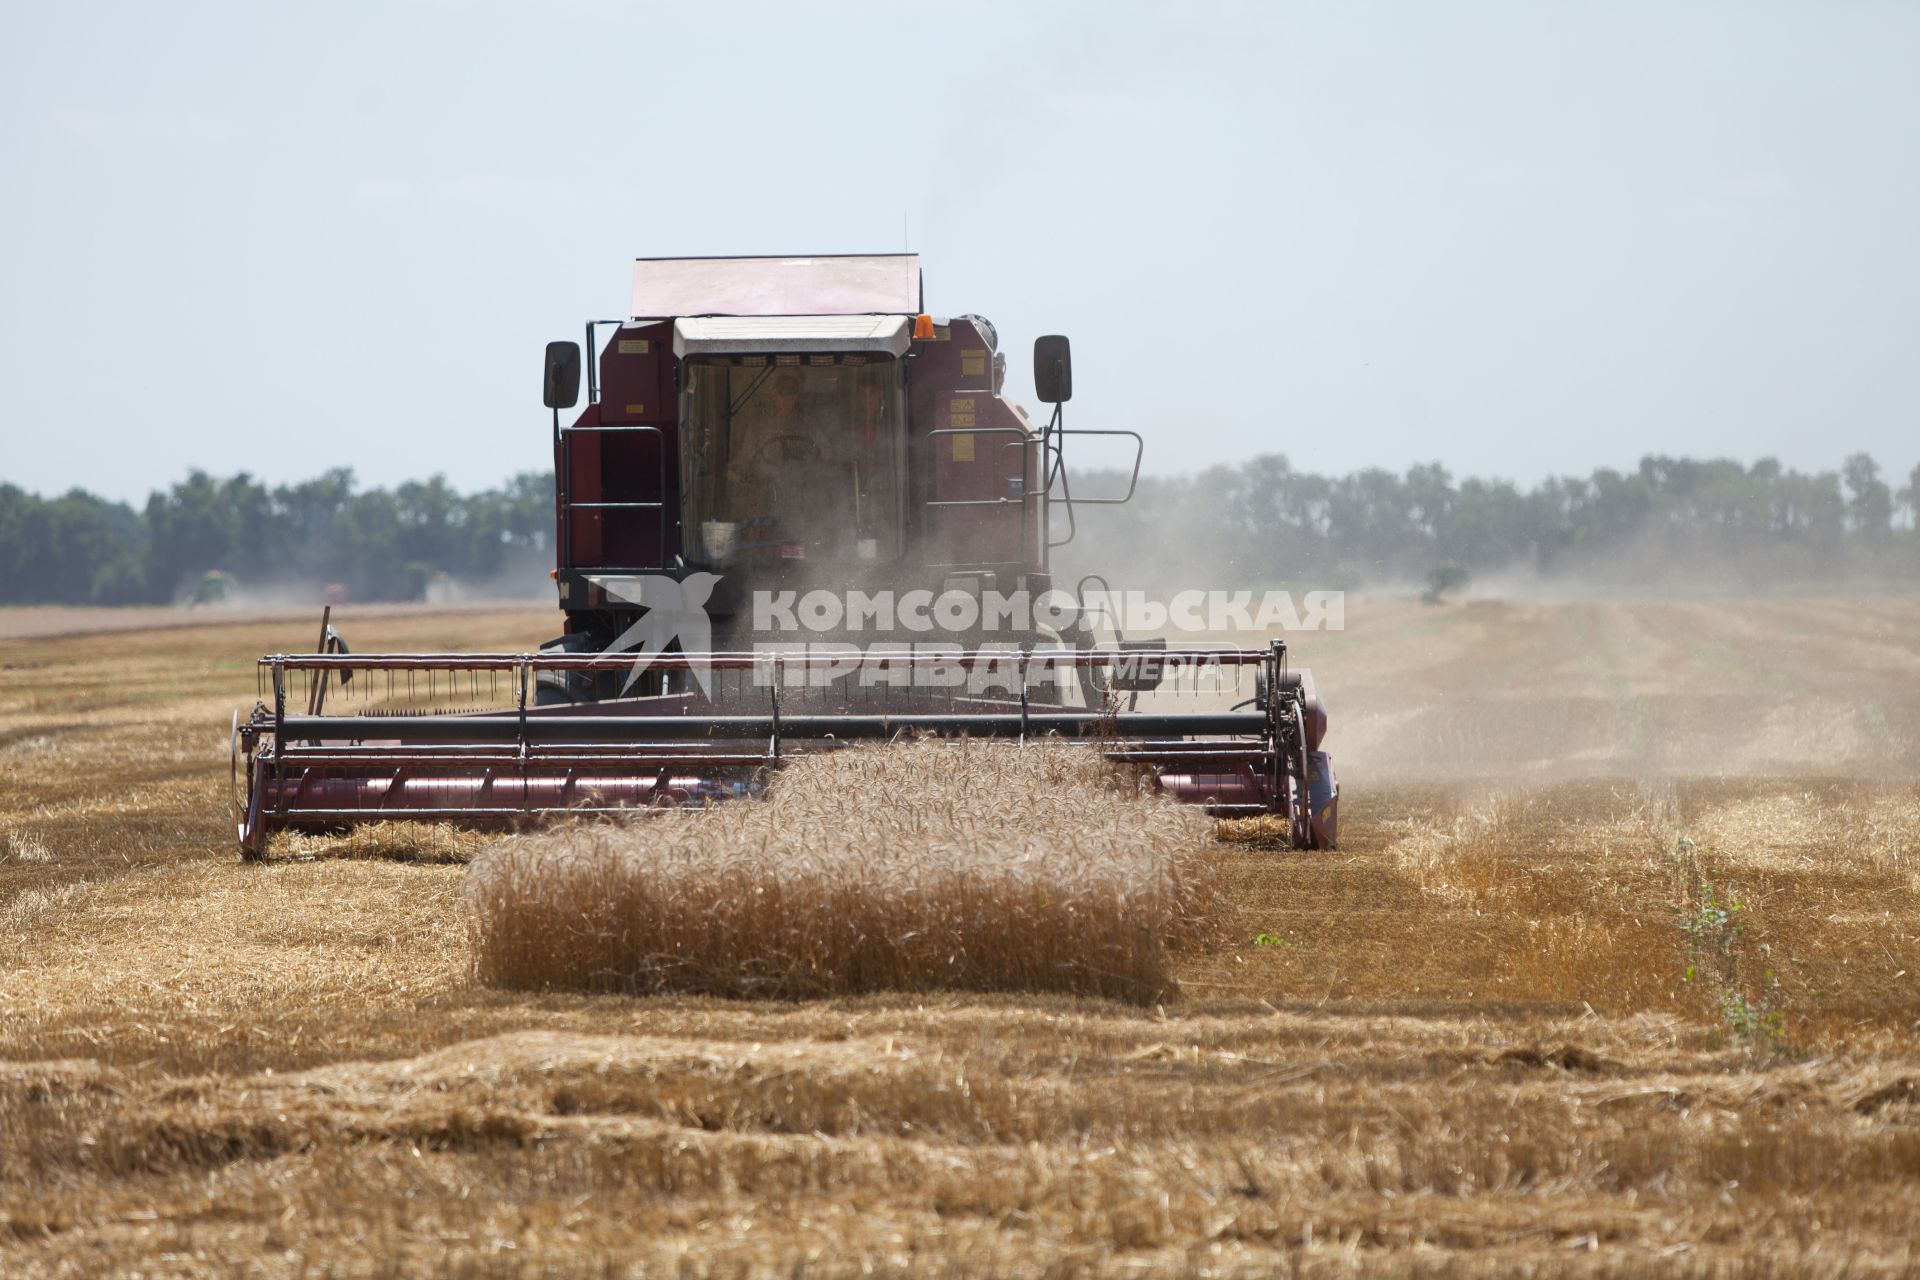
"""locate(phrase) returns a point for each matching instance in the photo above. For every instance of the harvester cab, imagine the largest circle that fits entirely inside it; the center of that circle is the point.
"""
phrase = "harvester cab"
(795, 424)
(795, 510)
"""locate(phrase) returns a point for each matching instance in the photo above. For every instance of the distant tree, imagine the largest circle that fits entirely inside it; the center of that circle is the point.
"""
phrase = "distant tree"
(1869, 501)
(74, 549)
(1430, 501)
(309, 512)
(1444, 580)
(1491, 524)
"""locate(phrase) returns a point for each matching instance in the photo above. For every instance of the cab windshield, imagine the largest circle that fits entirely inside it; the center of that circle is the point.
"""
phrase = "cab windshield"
(792, 456)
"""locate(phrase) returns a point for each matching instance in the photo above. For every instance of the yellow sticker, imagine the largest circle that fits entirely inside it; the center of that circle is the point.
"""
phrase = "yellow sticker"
(962, 448)
(636, 409)
(973, 364)
(635, 346)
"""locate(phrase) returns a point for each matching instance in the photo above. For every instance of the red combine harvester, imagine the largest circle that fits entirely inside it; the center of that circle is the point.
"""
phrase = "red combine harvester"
(795, 513)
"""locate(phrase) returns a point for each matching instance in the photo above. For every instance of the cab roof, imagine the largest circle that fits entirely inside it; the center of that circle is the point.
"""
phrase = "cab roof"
(832, 285)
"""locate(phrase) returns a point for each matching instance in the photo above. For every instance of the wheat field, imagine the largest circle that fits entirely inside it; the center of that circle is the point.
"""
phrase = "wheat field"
(1615, 973)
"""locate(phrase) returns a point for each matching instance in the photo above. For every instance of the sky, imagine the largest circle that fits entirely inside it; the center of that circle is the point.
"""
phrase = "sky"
(1517, 239)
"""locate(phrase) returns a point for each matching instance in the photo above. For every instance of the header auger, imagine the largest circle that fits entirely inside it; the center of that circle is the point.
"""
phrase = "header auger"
(772, 429)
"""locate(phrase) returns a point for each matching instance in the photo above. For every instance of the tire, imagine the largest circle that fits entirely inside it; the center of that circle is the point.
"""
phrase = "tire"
(565, 688)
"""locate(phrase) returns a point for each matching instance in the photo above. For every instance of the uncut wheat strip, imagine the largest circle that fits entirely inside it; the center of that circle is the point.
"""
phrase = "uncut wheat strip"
(768, 929)
(785, 893)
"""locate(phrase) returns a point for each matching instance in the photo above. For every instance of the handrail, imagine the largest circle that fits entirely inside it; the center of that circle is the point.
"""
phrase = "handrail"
(1027, 440)
(568, 506)
(1133, 482)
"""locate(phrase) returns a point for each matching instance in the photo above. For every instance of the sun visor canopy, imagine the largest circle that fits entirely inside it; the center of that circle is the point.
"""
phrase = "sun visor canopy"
(664, 288)
(729, 335)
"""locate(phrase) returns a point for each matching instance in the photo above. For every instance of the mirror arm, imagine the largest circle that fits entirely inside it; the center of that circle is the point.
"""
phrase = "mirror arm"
(1057, 470)
(1066, 498)
(590, 356)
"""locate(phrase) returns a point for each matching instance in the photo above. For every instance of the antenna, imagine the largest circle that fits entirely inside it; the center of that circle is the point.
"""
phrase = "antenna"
(905, 243)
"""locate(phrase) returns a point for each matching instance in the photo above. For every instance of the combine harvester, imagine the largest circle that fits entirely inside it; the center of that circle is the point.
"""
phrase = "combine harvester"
(766, 431)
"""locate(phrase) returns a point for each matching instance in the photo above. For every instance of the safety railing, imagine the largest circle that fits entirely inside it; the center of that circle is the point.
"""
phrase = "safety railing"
(568, 505)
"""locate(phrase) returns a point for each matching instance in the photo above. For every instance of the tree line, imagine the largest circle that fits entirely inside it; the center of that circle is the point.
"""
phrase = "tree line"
(377, 544)
(1670, 520)
(1258, 522)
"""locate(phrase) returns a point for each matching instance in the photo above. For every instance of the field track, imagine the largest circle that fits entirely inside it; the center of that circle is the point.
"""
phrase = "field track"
(1617, 971)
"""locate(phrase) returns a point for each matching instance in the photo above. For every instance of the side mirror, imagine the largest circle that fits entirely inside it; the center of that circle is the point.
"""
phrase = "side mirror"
(1053, 368)
(561, 386)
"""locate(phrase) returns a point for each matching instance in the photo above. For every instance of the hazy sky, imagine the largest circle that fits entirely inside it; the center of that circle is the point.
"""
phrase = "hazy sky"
(1518, 239)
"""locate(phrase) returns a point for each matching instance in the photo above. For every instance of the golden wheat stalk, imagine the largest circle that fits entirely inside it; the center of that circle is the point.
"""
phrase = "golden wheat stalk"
(913, 867)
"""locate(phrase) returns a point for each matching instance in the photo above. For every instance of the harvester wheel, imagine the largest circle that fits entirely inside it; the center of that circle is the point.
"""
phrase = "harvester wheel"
(565, 688)
(243, 797)
(1293, 738)
(1094, 681)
